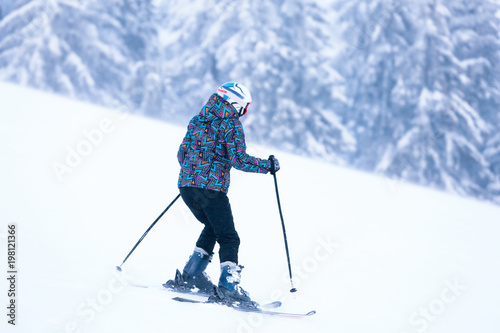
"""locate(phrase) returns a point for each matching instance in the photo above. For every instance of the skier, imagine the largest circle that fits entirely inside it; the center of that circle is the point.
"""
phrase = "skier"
(214, 143)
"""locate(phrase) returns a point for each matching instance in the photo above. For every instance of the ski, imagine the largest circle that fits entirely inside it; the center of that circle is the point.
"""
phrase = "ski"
(186, 293)
(271, 305)
(204, 298)
(261, 309)
(163, 288)
(167, 287)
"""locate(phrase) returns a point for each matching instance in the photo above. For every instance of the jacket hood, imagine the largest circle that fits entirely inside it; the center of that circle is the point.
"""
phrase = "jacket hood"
(218, 107)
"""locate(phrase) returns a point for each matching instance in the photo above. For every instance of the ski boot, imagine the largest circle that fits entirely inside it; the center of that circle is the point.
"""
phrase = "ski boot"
(193, 275)
(229, 290)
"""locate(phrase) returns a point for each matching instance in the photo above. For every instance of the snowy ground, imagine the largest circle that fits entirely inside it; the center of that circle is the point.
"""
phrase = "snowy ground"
(369, 254)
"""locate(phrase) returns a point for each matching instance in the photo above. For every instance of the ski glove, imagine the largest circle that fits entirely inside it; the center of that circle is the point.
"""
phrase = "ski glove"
(275, 164)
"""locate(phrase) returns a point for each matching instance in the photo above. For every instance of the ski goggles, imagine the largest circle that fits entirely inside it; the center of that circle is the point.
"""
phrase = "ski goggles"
(243, 110)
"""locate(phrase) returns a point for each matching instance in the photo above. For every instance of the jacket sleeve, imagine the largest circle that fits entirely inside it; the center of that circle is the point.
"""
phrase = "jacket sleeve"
(183, 148)
(236, 148)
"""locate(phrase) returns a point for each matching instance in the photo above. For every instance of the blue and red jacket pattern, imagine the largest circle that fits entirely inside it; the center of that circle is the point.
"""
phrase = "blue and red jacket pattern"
(214, 143)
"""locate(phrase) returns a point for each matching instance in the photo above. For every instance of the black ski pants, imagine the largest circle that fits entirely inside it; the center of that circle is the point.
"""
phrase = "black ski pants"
(212, 208)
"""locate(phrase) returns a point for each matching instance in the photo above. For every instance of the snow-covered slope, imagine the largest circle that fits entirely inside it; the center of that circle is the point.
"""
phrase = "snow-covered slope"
(369, 254)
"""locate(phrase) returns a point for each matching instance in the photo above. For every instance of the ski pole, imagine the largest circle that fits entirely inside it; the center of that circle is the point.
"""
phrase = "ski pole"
(284, 231)
(119, 268)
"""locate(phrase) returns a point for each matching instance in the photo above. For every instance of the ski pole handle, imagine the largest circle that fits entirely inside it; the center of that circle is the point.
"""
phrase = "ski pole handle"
(275, 164)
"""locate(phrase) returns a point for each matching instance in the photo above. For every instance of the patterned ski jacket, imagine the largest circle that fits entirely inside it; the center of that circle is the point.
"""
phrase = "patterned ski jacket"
(214, 143)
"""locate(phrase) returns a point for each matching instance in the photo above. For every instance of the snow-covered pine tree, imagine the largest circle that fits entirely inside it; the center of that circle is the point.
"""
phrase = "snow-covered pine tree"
(26, 44)
(139, 22)
(5, 7)
(297, 93)
(475, 33)
(492, 154)
(80, 49)
(415, 89)
(375, 40)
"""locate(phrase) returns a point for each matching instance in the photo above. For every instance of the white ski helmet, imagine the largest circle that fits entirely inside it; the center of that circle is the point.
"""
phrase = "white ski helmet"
(237, 95)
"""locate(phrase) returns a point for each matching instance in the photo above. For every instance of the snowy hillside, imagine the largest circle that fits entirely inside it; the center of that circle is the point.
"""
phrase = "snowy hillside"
(83, 183)
(407, 89)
